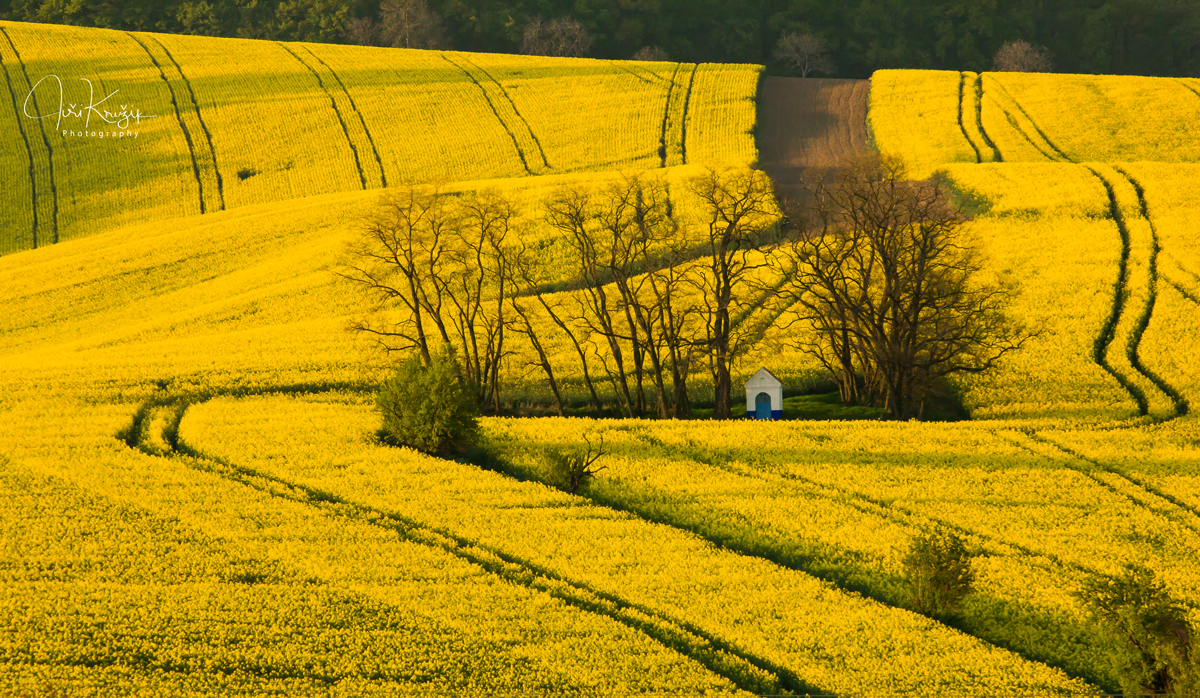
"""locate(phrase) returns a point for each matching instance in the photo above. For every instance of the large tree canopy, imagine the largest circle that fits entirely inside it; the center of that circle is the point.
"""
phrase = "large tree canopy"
(1138, 37)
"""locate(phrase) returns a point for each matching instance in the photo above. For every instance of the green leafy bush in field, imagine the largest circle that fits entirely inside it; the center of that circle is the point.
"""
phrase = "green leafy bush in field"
(428, 407)
(938, 568)
(1154, 650)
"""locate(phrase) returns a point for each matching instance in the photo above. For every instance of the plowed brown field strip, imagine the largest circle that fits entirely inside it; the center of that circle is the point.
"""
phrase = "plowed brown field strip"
(808, 126)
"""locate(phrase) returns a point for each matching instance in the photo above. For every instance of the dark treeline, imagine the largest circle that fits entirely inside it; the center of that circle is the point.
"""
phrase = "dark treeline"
(1140, 37)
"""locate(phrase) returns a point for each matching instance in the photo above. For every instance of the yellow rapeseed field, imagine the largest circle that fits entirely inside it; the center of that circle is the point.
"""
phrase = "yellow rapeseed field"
(286, 121)
(933, 118)
(825, 637)
(201, 505)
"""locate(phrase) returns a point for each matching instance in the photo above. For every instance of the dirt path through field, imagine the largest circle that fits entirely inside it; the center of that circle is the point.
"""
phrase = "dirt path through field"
(809, 126)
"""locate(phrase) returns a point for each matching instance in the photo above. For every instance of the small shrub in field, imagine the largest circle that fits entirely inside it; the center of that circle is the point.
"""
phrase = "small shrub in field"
(938, 568)
(1153, 644)
(569, 471)
(428, 408)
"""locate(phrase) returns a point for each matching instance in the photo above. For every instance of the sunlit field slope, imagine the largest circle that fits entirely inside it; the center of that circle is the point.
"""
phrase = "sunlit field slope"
(186, 125)
(202, 505)
(932, 118)
(139, 352)
(1058, 166)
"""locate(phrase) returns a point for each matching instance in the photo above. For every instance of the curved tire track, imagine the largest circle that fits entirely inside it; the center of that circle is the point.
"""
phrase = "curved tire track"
(816, 560)
(528, 129)
(662, 139)
(687, 101)
(42, 129)
(979, 119)
(354, 107)
(187, 134)
(962, 96)
(1177, 399)
(1109, 329)
(362, 177)
(1133, 345)
(28, 152)
(1121, 292)
(745, 670)
(199, 117)
(496, 112)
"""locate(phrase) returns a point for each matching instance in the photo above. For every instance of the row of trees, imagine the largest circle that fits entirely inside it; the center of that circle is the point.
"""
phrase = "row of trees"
(1144, 37)
(874, 279)
(649, 301)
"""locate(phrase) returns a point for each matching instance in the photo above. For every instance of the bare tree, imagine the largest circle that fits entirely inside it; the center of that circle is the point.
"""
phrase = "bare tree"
(399, 248)
(522, 270)
(636, 215)
(651, 53)
(436, 269)
(1023, 57)
(410, 24)
(737, 209)
(573, 210)
(805, 53)
(472, 286)
(361, 31)
(889, 285)
(673, 313)
(562, 37)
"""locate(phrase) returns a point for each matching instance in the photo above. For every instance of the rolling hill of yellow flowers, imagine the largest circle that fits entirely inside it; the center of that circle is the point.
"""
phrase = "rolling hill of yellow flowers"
(197, 505)
(126, 127)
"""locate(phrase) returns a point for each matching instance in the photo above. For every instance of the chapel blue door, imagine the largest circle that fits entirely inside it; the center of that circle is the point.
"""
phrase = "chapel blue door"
(762, 406)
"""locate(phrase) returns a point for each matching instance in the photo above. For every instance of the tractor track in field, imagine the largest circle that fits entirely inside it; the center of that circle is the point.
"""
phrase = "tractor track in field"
(1060, 154)
(1016, 126)
(187, 134)
(1121, 291)
(362, 176)
(1183, 291)
(715, 654)
(1179, 402)
(637, 75)
(1108, 330)
(1190, 515)
(1191, 294)
(723, 658)
(361, 120)
(1188, 87)
(1141, 324)
(662, 139)
(496, 112)
(28, 152)
(817, 564)
(41, 128)
(199, 117)
(517, 112)
(687, 101)
(962, 96)
(979, 119)
(870, 506)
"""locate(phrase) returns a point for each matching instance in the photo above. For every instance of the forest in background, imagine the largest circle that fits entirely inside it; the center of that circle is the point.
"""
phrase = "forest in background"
(1130, 37)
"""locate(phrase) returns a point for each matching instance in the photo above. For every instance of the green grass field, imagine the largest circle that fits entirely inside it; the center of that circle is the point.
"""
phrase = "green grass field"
(197, 504)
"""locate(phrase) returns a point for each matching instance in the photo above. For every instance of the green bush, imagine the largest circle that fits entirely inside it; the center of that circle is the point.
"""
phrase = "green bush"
(1153, 649)
(428, 408)
(938, 568)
